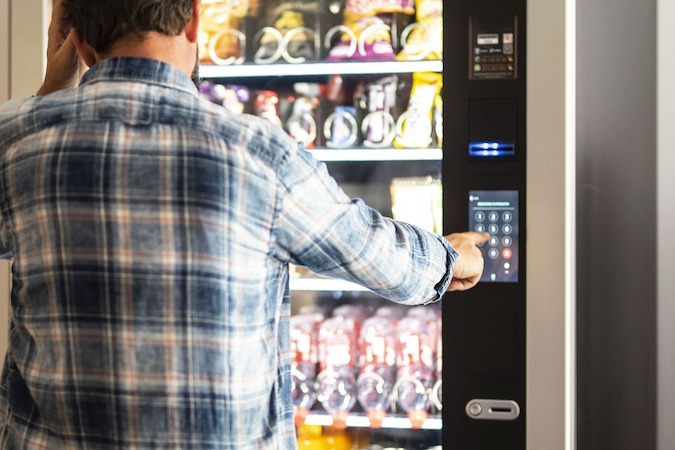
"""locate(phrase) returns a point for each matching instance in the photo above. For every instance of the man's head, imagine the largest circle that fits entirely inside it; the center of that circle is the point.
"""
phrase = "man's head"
(101, 23)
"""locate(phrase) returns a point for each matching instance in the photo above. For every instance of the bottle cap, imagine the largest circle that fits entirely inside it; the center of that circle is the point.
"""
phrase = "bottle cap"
(340, 420)
(376, 416)
(299, 415)
(417, 418)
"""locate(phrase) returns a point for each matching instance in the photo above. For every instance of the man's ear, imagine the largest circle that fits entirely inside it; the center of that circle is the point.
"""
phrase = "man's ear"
(85, 51)
(192, 27)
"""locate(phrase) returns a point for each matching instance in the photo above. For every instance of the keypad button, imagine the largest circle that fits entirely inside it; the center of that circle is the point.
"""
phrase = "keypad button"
(493, 228)
(507, 216)
(506, 229)
(494, 241)
(507, 241)
(493, 253)
(493, 216)
(480, 228)
(480, 216)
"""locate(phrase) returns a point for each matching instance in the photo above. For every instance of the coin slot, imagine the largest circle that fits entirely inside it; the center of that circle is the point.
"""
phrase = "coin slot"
(501, 410)
(492, 409)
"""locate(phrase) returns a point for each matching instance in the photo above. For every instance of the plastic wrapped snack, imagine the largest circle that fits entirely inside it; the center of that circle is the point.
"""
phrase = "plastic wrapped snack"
(289, 33)
(366, 31)
(414, 127)
(423, 39)
(221, 40)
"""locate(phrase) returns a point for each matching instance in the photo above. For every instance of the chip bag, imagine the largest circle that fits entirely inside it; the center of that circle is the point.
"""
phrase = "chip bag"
(423, 39)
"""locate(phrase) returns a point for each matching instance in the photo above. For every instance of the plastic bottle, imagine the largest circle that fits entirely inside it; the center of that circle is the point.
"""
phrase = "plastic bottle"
(437, 390)
(415, 375)
(355, 313)
(335, 382)
(430, 315)
(303, 365)
(394, 313)
(310, 438)
(336, 439)
(377, 350)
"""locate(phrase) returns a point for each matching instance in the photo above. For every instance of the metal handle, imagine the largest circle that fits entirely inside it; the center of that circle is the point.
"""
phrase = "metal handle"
(483, 409)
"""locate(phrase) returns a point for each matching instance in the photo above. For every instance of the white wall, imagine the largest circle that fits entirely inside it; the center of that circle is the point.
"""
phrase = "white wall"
(666, 224)
(28, 45)
(4, 95)
(550, 226)
(4, 50)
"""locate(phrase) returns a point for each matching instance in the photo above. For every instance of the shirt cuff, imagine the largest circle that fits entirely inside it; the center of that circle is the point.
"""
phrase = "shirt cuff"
(451, 256)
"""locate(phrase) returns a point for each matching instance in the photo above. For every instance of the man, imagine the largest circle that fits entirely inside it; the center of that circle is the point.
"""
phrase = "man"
(151, 233)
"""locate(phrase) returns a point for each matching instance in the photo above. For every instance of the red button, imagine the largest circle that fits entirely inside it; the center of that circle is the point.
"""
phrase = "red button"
(506, 253)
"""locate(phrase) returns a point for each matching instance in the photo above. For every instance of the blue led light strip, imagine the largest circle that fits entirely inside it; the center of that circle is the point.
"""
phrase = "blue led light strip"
(492, 149)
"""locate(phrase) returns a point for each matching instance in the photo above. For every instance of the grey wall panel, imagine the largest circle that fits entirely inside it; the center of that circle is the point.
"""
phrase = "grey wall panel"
(616, 224)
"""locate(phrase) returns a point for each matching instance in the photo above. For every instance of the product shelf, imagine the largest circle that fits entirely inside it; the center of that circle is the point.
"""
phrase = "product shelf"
(383, 154)
(362, 421)
(324, 285)
(251, 70)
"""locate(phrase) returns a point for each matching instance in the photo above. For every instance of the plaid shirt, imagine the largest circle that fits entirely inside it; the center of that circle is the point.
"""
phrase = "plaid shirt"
(151, 233)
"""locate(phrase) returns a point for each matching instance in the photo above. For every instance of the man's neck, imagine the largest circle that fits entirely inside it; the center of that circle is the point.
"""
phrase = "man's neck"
(173, 50)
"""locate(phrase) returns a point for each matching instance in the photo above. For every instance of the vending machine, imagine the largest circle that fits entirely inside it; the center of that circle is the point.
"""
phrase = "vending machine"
(419, 108)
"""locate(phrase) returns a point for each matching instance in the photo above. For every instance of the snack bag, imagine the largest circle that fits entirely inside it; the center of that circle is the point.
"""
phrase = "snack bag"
(414, 127)
(423, 39)
(232, 97)
(376, 101)
(289, 32)
(373, 7)
(221, 40)
(364, 38)
(418, 201)
(366, 31)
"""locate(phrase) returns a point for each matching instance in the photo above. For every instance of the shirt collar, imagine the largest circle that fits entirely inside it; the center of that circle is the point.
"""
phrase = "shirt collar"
(143, 70)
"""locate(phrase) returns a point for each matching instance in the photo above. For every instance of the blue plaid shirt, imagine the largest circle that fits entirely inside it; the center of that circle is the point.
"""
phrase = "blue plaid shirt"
(151, 233)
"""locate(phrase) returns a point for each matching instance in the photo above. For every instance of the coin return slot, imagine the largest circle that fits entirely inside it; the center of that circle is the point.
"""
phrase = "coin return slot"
(501, 410)
(484, 409)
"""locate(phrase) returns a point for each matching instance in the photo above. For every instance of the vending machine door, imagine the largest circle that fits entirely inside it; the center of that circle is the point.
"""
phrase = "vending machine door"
(484, 180)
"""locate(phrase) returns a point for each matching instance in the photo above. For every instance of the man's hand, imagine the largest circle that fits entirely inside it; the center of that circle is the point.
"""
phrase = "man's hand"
(469, 263)
(64, 66)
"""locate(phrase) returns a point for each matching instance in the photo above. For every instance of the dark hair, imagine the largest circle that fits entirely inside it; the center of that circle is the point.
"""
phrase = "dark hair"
(103, 22)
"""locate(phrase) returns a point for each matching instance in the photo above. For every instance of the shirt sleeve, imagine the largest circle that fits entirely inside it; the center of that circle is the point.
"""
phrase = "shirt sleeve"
(321, 228)
(5, 251)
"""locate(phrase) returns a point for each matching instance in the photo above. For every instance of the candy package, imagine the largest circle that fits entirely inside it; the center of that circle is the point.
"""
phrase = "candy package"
(221, 40)
(376, 103)
(415, 126)
(423, 39)
(366, 30)
(288, 32)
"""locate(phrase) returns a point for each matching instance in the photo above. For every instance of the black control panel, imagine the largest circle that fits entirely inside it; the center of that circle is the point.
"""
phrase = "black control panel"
(484, 189)
(496, 212)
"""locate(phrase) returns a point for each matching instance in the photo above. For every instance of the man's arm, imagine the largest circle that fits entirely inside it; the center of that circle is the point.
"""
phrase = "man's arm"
(323, 229)
(469, 263)
(64, 66)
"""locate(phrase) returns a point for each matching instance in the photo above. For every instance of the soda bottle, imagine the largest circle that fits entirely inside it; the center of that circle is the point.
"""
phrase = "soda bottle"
(394, 313)
(303, 365)
(310, 437)
(437, 391)
(415, 375)
(377, 356)
(336, 439)
(335, 382)
(430, 314)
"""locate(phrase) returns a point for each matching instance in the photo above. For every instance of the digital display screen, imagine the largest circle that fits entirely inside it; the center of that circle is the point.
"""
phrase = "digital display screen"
(496, 212)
